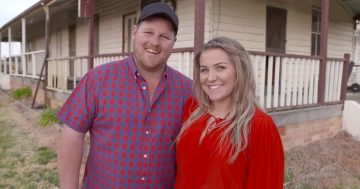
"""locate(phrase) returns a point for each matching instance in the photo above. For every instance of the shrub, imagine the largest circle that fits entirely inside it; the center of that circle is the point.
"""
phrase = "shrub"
(48, 117)
(21, 93)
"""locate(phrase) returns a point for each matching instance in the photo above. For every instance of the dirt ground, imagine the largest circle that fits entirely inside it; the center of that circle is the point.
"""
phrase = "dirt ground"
(27, 151)
(332, 163)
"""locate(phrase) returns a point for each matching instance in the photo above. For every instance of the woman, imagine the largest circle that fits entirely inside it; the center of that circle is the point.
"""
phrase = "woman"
(226, 140)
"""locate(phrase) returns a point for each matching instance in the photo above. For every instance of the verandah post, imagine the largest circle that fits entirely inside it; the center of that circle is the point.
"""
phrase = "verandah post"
(323, 50)
(345, 76)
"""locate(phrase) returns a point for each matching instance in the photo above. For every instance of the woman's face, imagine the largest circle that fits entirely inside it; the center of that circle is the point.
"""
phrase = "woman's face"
(217, 75)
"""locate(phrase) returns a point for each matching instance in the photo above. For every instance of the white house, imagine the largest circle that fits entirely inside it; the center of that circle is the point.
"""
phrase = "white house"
(300, 50)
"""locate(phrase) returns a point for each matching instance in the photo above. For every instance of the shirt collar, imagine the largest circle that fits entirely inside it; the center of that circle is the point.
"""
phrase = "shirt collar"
(135, 72)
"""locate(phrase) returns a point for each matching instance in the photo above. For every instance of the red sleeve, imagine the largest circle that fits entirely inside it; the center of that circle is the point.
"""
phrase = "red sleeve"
(190, 105)
(267, 155)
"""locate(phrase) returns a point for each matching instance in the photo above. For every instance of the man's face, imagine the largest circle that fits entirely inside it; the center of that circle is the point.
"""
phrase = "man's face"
(153, 41)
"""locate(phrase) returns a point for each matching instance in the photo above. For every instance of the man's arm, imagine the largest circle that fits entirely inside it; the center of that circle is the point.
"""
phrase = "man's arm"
(70, 152)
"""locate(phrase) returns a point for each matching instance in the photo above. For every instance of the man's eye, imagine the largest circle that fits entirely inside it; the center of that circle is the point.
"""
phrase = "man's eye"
(165, 37)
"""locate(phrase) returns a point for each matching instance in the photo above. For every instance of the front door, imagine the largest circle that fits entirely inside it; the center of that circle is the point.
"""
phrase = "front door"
(275, 29)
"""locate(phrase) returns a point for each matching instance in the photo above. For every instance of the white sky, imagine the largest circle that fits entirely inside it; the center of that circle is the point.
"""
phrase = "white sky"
(9, 9)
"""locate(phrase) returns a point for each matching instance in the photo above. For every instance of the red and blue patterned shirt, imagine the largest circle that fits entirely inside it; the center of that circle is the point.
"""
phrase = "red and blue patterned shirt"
(131, 138)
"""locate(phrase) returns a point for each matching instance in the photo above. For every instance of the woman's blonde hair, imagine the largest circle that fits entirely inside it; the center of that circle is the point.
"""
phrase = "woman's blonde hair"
(236, 125)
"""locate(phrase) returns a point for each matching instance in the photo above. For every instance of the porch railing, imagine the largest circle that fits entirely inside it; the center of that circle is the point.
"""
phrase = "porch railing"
(65, 73)
(105, 58)
(334, 76)
(283, 81)
(27, 66)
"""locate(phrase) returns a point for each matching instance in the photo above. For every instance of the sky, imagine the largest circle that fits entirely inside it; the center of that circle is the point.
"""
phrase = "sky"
(9, 9)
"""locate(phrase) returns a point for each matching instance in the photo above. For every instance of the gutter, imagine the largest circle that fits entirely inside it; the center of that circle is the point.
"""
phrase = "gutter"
(36, 6)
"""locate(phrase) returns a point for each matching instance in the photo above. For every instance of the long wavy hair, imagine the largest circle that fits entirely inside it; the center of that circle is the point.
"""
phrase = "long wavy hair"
(236, 126)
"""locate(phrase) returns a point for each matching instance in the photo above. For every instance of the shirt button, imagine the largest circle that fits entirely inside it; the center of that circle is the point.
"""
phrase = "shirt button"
(144, 87)
(147, 132)
(145, 155)
(142, 178)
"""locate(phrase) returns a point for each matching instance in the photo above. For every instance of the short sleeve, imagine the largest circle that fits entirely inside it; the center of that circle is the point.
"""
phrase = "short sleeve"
(79, 109)
(266, 168)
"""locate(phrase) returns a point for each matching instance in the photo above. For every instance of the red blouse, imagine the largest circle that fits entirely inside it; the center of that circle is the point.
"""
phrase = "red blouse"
(259, 166)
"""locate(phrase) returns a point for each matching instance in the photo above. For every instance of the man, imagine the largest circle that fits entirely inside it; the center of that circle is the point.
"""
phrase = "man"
(132, 110)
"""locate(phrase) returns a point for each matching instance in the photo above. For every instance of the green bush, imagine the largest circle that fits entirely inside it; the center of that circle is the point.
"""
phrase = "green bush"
(21, 93)
(48, 117)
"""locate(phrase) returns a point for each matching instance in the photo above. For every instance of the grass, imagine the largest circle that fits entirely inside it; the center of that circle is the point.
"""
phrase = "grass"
(45, 155)
(10, 174)
(308, 186)
(23, 163)
(288, 176)
(48, 117)
(21, 93)
(49, 175)
(7, 141)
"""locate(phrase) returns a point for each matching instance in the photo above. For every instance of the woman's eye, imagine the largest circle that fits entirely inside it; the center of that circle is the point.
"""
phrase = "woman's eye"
(203, 70)
(220, 68)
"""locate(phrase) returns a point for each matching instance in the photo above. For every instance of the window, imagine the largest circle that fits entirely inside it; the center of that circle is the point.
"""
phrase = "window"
(276, 29)
(315, 32)
(96, 34)
(59, 44)
(129, 20)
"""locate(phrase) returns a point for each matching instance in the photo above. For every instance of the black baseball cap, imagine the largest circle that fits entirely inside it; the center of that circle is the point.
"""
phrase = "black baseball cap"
(160, 9)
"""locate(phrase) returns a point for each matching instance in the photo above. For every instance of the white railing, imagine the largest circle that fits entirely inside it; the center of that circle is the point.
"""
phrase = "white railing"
(180, 59)
(334, 75)
(103, 59)
(29, 67)
(285, 81)
(33, 64)
(65, 73)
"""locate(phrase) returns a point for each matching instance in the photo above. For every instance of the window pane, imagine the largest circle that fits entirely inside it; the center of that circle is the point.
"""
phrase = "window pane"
(313, 38)
(317, 44)
(316, 32)
(129, 35)
(314, 21)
